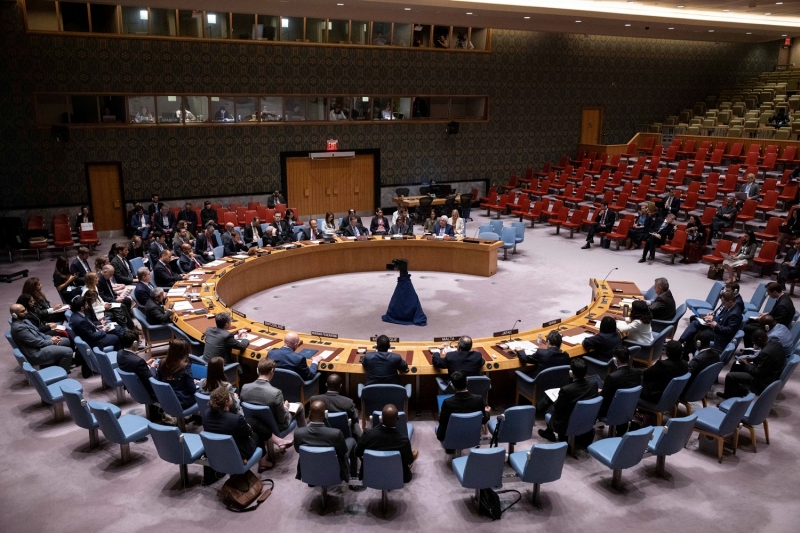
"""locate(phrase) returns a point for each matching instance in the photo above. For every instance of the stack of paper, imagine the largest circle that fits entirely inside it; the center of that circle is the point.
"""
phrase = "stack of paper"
(326, 353)
(216, 263)
(522, 345)
(552, 394)
(177, 291)
(260, 342)
(240, 256)
(576, 339)
(183, 306)
(194, 278)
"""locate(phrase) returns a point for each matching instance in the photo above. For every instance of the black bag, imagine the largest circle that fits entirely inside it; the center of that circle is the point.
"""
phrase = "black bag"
(605, 243)
(240, 491)
(496, 433)
(714, 272)
(489, 503)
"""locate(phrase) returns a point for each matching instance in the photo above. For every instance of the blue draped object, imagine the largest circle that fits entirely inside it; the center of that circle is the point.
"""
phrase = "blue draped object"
(404, 308)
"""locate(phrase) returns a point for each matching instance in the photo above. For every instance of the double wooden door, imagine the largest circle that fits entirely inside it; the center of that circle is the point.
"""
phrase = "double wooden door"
(316, 186)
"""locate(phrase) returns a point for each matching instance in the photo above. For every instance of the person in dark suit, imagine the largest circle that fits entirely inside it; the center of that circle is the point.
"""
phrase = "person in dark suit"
(158, 245)
(790, 268)
(154, 207)
(336, 403)
(141, 293)
(662, 233)
(568, 396)
(670, 203)
(656, 378)
(84, 328)
(223, 114)
(80, 266)
(312, 232)
(461, 402)
(205, 244)
(128, 361)
(235, 245)
(123, 314)
(545, 357)
(287, 358)
(603, 223)
(165, 222)
(279, 231)
(663, 307)
(189, 216)
(624, 377)
(382, 366)
(346, 220)
(443, 228)
(154, 308)
(315, 433)
(385, 437)
(140, 223)
(207, 214)
(724, 322)
(782, 312)
(601, 346)
(380, 224)
(704, 356)
(402, 227)
(274, 199)
(39, 348)
(123, 270)
(220, 342)
(755, 373)
(188, 261)
(163, 274)
(354, 228)
(463, 360)
(84, 217)
(253, 232)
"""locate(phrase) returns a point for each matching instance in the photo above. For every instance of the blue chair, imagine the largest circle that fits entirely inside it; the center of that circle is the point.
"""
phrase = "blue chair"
(177, 448)
(532, 389)
(519, 227)
(622, 408)
(488, 236)
(668, 400)
(202, 402)
(219, 251)
(463, 431)
(791, 364)
(659, 325)
(201, 366)
(651, 352)
(700, 385)
(727, 353)
(136, 263)
(480, 469)
(404, 427)
(122, 431)
(52, 394)
(710, 301)
(137, 391)
(516, 425)
(480, 385)
(160, 333)
(758, 411)
(169, 403)
(293, 387)
(10, 340)
(757, 300)
(497, 225)
(374, 397)
(319, 467)
(109, 374)
(670, 439)
(795, 331)
(716, 423)
(509, 237)
(195, 347)
(619, 453)
(267, 417)
(382, 471)
(223, 455)
(542, 464)
(598, 367)
(581, 421)
(650, 294)
(87, 353)
(82, 416)
(49, 375)
(485, 228)
(341, 422)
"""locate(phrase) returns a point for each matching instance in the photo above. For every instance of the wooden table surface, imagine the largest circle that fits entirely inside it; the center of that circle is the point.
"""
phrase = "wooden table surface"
(413, 201)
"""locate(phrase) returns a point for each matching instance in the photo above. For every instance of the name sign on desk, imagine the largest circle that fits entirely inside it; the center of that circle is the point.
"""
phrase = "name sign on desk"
(445, 339)
(506, 332)
(391, 339)
(235, 312)
(325, 335)
(551, 323)
(581, 310)
(276, 326)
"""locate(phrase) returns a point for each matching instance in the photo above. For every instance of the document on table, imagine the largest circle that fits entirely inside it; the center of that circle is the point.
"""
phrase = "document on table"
(259, 343)
(522, 345)
(177, 291)
(326, 353)
(183, 306)
(194, 278)
(627, 301)
(576, 339)
(216, 263)
(240, 256)
(552, 394)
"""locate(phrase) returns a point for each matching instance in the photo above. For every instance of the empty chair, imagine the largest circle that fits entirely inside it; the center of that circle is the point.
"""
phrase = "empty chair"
(52, 394)
(170, 404)
(533, 389)
(619, 453)
(542, 464)
(515, 426)
(463, 431)
(622, 408)
(109, 373)
(293, 387)
(716, 423)
(670, 439)
(160, 333)
(137, 391)
(791, 364)
(177, 448)
(711, 299)
(480, 469)
(383, 471)
(668, 399)
(202, 402)
(758, 411)
(122, 431)
(319, 467)
(497, 226)
(49, 375)
(267, 417)
(652, 351)
(519, 227)
(374, 397)
(700, 385)
(509, 238)
(82, 416)
(223, 454)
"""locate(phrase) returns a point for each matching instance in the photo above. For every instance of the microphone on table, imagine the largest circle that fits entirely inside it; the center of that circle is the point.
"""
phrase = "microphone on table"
(609, 273)
(511, 331)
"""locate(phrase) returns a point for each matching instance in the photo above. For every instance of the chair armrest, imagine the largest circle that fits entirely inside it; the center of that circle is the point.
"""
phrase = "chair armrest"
(725, 405)
(199, 360)
(633, 343)
(408, 390)
(108, 349)
(598, 362)
(360, 388)
(310, 381)
(524, 377)
(229, 366)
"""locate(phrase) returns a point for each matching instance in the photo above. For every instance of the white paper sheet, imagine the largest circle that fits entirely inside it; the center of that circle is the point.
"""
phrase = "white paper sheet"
(326, 353)
(260, 342)
(552, 394)
(183, 306)
(576, 339)
(216, 263)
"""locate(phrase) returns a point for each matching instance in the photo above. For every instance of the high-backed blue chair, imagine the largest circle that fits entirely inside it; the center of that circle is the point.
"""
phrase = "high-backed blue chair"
(650, 294)
(485, 228)
(532, 388)
(481, 468)
(51, 394)
(519, 228)
(757, 299)
(516, 425)
(497, 225)
(660, 325)
(651, 352)
(374, 397)
(82, 416)
(581, 421)
(404, 427)
(668, 400)
(49, 375)
(136, 263)
(87, 353)
(195, 347)
(788, 370)
(383, 471)
(293, 387)
(177, 448)
(169, 403)
(727, 353)
(598, 367)
(219, 252)
(267, 417)
(711, 300)
(122, 430)
(202, 402)
(463, 431)
(109, 374)
(223, 455)
(714, 422)
(700, 385)
(619, 453)
(137, 391)
(509, 237)
(10, 339)
(480, 385)
(542, 464)
(488, 236)
(670, 439)
(622, 408)
(758, 411)
(341, 422)
(319, 467)
(153, 333)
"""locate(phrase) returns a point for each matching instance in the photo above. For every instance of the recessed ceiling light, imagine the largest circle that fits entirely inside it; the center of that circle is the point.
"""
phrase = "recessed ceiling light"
(670, 28)
(577, 21)
(749, 33)
(710, 31)
(768, 13)
(679, 7)
(469, 13)
(626, 25)
(725, 10)
(784, 35)
(778, 3)
(407, 9)
(526, 17)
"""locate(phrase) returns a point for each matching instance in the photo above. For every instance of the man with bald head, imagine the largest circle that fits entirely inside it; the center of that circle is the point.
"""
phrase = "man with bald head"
(39, 348)
(317, 433)
(385, 437)
(288, 359)
(336, 403)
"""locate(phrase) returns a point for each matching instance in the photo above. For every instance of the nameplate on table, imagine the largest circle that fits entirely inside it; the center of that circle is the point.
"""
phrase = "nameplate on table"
(551, 323)
(446, 339)
(581, 310)
(391, 339)
(504, 333)
(276, 326)
(237, 263)
(235, 312)
(325, 335)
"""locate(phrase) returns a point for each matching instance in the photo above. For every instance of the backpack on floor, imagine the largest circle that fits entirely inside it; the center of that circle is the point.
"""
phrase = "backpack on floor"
(241, 490)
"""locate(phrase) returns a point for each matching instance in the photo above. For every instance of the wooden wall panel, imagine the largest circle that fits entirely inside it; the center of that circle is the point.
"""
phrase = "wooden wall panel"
(106, 192)
(315, 186)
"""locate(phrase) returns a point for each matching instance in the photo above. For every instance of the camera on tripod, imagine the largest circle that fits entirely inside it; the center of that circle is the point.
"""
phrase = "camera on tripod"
(400, 265)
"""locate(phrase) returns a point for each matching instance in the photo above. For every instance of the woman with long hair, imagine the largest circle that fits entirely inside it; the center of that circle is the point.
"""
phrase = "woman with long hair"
(63, 280)
(41, 306)
(637, 327)
(743, 256)
(176, 371)
(329, 226)
(457, 222)
(215, 377)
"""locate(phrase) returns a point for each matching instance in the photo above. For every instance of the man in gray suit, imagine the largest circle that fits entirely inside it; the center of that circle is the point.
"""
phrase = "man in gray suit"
(317, 434)
(39, 348)
(261, 392)
(336, 403)
(220, 342)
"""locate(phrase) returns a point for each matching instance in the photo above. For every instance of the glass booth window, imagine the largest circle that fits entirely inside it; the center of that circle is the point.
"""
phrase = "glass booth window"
(295, 108)
(339, 108)
(244, 26)
(217, 25)
(338, 31)
(268, 27)
(112, 109)
(141, 109)
(52, 109)
(316, 108)
(382, 108)
(162, 22)
(360, 32)
(478, 38)
(246, 109)
(422, 36)
(74, 16)
(190, 23)
(169, 109)
(461, 40)
(84, 110)
(440, 107)
(41, 15)
(441, 37)
(196, 109)
(221, 109)
(474, 107)
(104, 18)
(381, 33)
(401, 108)
(316, 30)
(401, 35)
(361, 109)
(271, 109)
(292, 29)
(135, 20)
(420, 107)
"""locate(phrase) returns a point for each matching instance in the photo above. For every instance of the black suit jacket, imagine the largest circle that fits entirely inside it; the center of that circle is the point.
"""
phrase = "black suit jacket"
(248, 233)
(308, 237)
(460, 402)
(76, 267)
(336, 403)
(783, 310)
(201, 246)
(408, 229)
(151, 209)
(123, 271)
(470, 363)
(544, 358)
(666, 232)
(383, 368)
(622, 378)
(385, 439)
(187, 264)
(374, 225)
(656, 378)
(569, 395)
(767, 367)
(348, 230)
(601, 345)
(729, 321)
(663, 307)
(130, 362)
(158, 222)
(674, 206)
(154, 252)
(611, 218)
(227, 423)
(163, 275)
(156, 314)
(321, 436)
(283, 233)
(105, 290)
(701, 361)
(190, 217)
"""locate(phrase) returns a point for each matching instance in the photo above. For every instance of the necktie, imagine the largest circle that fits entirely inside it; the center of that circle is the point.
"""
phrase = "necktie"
(355, 231)
(87, 267)
(603, 220)
(196, 263)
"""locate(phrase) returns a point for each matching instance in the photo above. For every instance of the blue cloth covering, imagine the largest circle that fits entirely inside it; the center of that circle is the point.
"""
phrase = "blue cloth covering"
(404, 308)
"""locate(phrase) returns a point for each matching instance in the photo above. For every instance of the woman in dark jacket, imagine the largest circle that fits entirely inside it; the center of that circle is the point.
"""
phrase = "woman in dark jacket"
(177, 372)
(601, 346)
(788, 232)
(41, 306)
(380, 224)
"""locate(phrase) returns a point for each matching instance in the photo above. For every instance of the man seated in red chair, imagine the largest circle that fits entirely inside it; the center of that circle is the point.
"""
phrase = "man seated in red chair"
(664, 232)
(603, 223)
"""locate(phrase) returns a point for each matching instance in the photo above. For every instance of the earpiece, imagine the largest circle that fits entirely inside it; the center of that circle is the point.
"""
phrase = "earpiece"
(326, 414)
(698, 344)
(380, 418)
(766, 328)
(14, 316)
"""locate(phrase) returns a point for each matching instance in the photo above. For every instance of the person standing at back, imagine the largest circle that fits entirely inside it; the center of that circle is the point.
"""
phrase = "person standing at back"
(382, 366)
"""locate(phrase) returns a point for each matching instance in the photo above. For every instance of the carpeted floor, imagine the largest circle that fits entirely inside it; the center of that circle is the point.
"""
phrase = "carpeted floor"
(51, 482)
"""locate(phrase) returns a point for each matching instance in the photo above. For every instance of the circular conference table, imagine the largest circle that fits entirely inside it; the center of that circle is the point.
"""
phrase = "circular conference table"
(219, 285)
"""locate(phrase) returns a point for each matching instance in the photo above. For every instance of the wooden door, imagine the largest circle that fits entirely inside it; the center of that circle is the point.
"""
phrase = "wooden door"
(105, 191)
(592, 125)
(316, 186)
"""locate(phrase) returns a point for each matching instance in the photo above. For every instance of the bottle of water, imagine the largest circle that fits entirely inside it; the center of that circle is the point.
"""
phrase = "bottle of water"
(539, 339)
(239, 118)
